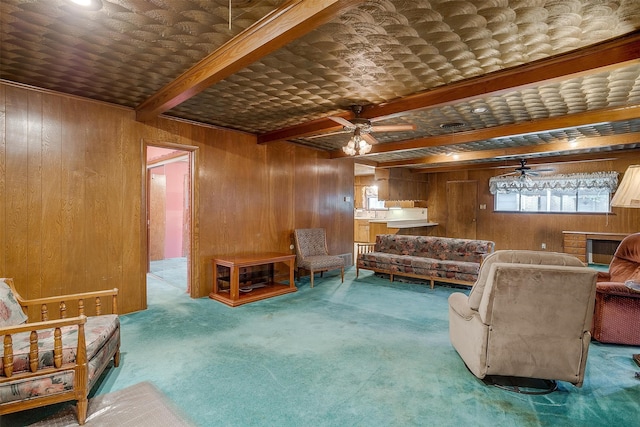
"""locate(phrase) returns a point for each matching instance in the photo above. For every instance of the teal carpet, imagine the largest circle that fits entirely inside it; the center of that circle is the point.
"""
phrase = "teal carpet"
(365, 352)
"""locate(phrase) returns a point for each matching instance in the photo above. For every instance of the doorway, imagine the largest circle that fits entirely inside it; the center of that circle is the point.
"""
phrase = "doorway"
(169, 215)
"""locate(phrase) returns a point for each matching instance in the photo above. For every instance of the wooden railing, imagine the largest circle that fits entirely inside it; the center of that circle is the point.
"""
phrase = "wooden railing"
(77, 300)
(364, 248)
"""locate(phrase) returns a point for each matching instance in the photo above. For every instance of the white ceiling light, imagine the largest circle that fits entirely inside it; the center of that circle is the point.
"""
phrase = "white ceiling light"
(87, 4)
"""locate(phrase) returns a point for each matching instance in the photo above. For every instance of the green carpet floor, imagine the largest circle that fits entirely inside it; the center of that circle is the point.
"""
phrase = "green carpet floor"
(365, 352)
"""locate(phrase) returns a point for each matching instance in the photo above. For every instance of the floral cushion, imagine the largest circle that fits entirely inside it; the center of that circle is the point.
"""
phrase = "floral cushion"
(11, 313)
(97, 330)
(31, 388)
(466, 250)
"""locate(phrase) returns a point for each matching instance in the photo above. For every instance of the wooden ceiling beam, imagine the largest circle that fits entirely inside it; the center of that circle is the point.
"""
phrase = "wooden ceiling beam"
(585, 118)
(546, 160)
(601, 57)
(553, 147)
(287, 23)
(510, 164)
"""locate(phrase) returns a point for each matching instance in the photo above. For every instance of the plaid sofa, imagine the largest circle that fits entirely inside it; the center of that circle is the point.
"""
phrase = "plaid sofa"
(437, 259)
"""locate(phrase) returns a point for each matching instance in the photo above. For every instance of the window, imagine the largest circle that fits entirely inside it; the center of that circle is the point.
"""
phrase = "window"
(374, 203)
(370, 195)
(588, 193)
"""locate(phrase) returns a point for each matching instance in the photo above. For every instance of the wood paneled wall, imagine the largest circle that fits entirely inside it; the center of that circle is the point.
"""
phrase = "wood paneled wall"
(530, 230)
(71, 194)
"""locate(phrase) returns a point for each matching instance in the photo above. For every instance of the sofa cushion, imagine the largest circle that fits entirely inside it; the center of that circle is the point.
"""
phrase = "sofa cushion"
(32, 388)
(465, 250)
(428, 267)
(97, 331)
(11, 313)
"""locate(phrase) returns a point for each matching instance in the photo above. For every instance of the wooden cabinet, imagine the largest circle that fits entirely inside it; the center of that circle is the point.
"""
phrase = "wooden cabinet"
(376, 228)
(400, 184)
(361, 230)
(405, 204)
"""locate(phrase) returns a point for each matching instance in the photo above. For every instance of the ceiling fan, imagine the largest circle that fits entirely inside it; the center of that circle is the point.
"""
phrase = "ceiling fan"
(362, 139)
(524, 171)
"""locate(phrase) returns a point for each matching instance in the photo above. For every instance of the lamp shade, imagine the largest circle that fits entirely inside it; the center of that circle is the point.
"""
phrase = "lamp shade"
(628, 193)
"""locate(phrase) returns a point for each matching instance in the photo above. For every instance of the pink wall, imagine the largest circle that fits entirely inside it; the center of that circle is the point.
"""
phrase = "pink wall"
(175, 202)
(175, 173)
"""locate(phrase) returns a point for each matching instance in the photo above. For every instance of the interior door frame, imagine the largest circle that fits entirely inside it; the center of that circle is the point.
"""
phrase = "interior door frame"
(193, 272)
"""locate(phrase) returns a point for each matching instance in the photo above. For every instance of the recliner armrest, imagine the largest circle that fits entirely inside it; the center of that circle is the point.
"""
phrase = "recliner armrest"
(459, 303)
(616, 288)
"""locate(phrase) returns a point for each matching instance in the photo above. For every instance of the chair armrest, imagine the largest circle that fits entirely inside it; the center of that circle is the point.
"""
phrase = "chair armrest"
(34, 328)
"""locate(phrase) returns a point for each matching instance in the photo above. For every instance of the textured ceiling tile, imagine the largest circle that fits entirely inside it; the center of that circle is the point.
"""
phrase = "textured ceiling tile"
(374, 53)
(127, 41)
(447, 43)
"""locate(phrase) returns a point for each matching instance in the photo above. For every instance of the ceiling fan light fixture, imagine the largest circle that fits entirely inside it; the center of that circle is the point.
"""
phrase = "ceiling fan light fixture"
(349, 149)
(365, 147)
(356, 145)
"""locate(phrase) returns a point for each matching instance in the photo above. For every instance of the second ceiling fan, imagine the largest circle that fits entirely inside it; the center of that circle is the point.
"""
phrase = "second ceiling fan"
(524, 171)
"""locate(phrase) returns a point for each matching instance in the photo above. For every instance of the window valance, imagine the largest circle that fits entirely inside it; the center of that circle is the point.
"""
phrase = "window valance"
(598, 180)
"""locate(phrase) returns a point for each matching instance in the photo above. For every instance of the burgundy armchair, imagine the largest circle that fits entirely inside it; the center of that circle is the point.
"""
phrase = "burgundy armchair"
(616, 318)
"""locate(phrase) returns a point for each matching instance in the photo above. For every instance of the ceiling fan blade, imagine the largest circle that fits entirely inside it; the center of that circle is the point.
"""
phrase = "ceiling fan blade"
(344, 122)
(393, 128)
(369, 138)
(322, 135)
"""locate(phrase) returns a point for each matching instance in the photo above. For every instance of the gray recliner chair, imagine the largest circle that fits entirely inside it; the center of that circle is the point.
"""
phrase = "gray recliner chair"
(528, 316)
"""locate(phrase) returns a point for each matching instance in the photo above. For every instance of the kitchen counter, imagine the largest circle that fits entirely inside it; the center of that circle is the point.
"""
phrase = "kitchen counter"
(390, 226)
(404, 223)
(410, 223)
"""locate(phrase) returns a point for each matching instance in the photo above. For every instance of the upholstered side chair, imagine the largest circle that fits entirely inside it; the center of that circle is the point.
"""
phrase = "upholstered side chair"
(312, 254)
(617, 313)
(527, 316)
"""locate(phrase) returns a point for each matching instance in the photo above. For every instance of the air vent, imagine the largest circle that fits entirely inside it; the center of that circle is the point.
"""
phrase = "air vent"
(452, 125)
(348, 259)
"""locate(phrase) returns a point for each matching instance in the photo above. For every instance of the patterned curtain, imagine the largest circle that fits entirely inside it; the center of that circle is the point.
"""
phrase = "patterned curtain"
(509, 184)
